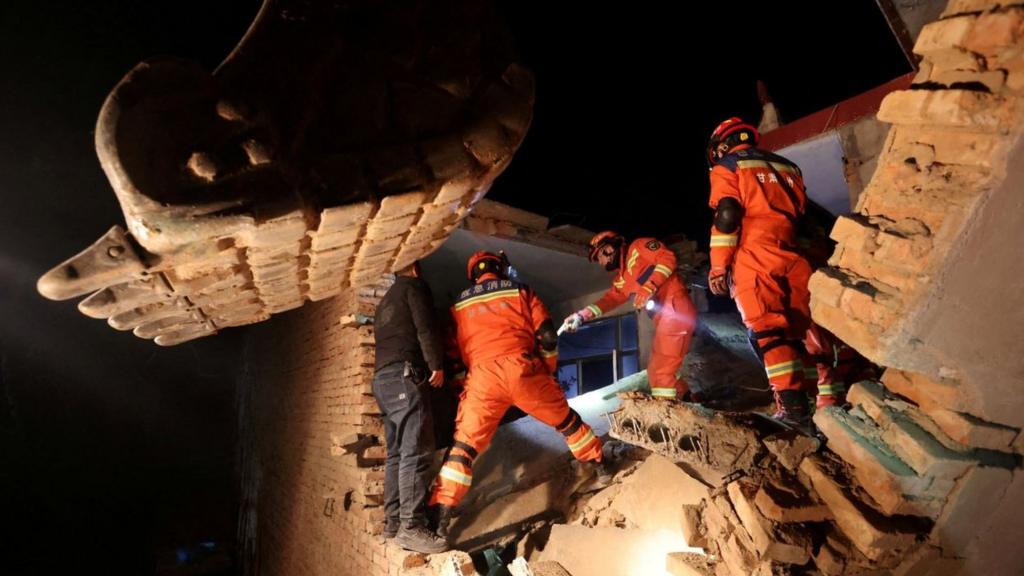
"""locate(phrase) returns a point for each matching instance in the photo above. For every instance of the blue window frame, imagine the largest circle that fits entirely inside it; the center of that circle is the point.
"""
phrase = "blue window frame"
(598, 354)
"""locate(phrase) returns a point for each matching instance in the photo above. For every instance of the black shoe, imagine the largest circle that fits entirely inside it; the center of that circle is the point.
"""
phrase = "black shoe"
(419, 539)
(599, 474)
(390, 528)
(693, 397)
(605, 472)
(792, 408)
(444, 520)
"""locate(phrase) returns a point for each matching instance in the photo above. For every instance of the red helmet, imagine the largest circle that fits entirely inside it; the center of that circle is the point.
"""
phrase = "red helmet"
(481, 263)
(733, 132)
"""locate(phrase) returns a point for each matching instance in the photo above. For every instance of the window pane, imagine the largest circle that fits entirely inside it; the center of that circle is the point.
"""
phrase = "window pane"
(628, 364)
(592, 339)
(568, 379)
(597, 373)
(629, 332)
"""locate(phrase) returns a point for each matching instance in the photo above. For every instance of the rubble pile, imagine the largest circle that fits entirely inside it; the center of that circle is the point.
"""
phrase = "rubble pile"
(733, 494)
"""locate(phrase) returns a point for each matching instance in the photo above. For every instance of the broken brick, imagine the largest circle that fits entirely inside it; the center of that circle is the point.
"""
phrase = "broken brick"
(873, 534)
(973, 432)
(687, 564)
(790, 503)
(995, 32)
(914, 445)
(949, 405)
(925, 392)
(965, 109)
(694, 530)
(674, 487)
(894, 485)
(942, 42)
(775, 542)
(790, 447)
(736, 556)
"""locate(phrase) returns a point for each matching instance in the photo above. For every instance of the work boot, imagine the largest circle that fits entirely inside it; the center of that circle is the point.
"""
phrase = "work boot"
(693, 397)
(444, 520)
(390, 528)
(419, 539)
(792, 408)
(597, 474)
(605, 472)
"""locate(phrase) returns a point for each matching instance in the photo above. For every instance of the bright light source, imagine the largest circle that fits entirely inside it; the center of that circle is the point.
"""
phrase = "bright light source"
(650, 558)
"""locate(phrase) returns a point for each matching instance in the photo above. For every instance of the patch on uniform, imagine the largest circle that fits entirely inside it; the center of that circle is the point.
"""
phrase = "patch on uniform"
(653, 245)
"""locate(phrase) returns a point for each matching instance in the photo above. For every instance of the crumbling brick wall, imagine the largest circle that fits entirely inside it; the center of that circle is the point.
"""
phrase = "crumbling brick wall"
(312, 485)
(312, 454)
(925, 281)
(312, 449)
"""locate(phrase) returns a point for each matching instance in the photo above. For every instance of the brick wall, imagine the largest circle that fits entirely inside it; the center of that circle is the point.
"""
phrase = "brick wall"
(316, 505)
(311, 451)
(924, 280)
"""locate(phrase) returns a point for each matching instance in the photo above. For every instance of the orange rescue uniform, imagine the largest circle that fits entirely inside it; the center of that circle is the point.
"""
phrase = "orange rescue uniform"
(647, 270)
(496, 323)
(769, 278)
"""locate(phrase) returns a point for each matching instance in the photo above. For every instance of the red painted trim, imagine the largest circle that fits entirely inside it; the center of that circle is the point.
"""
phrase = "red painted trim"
(829, 119)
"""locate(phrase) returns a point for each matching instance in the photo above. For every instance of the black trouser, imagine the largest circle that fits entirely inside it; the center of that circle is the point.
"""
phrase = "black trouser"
(409, 434)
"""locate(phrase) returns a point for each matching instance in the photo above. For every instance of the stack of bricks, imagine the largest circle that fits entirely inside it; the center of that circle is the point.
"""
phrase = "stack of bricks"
(490, 218)
(930, 441)
(233, 226)
(249, 272)
(950, 141)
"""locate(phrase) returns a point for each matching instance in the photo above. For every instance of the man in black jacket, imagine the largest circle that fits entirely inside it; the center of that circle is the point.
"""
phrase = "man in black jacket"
(409, 357)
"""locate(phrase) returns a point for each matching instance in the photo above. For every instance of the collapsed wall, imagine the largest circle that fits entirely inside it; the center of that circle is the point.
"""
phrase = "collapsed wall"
(759, 498)
(925, 280)
(338, 141)
(312, 445)
(921, 475)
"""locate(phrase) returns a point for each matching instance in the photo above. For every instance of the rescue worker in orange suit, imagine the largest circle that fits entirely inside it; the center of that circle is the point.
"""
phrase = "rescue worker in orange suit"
(508, 343)
(647, 271)
(758, 198)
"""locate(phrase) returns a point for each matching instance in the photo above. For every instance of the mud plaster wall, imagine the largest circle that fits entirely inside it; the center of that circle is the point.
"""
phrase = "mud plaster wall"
(926, 277)
(972, 321)
(862, 142)
(916, 13)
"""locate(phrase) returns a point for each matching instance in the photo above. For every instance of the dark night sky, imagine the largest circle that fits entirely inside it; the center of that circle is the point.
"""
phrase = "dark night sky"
(610, 119)
(110, 447)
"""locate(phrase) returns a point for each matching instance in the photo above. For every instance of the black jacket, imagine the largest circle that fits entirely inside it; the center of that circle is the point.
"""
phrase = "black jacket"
(404, 326)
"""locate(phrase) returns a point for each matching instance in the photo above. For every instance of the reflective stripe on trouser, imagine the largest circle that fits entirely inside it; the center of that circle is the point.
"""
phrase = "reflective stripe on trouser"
(491, 388)
(823, 378)
(456, 474)
(770, 288)
(784, 368)
(673, 330)
(580, 437)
